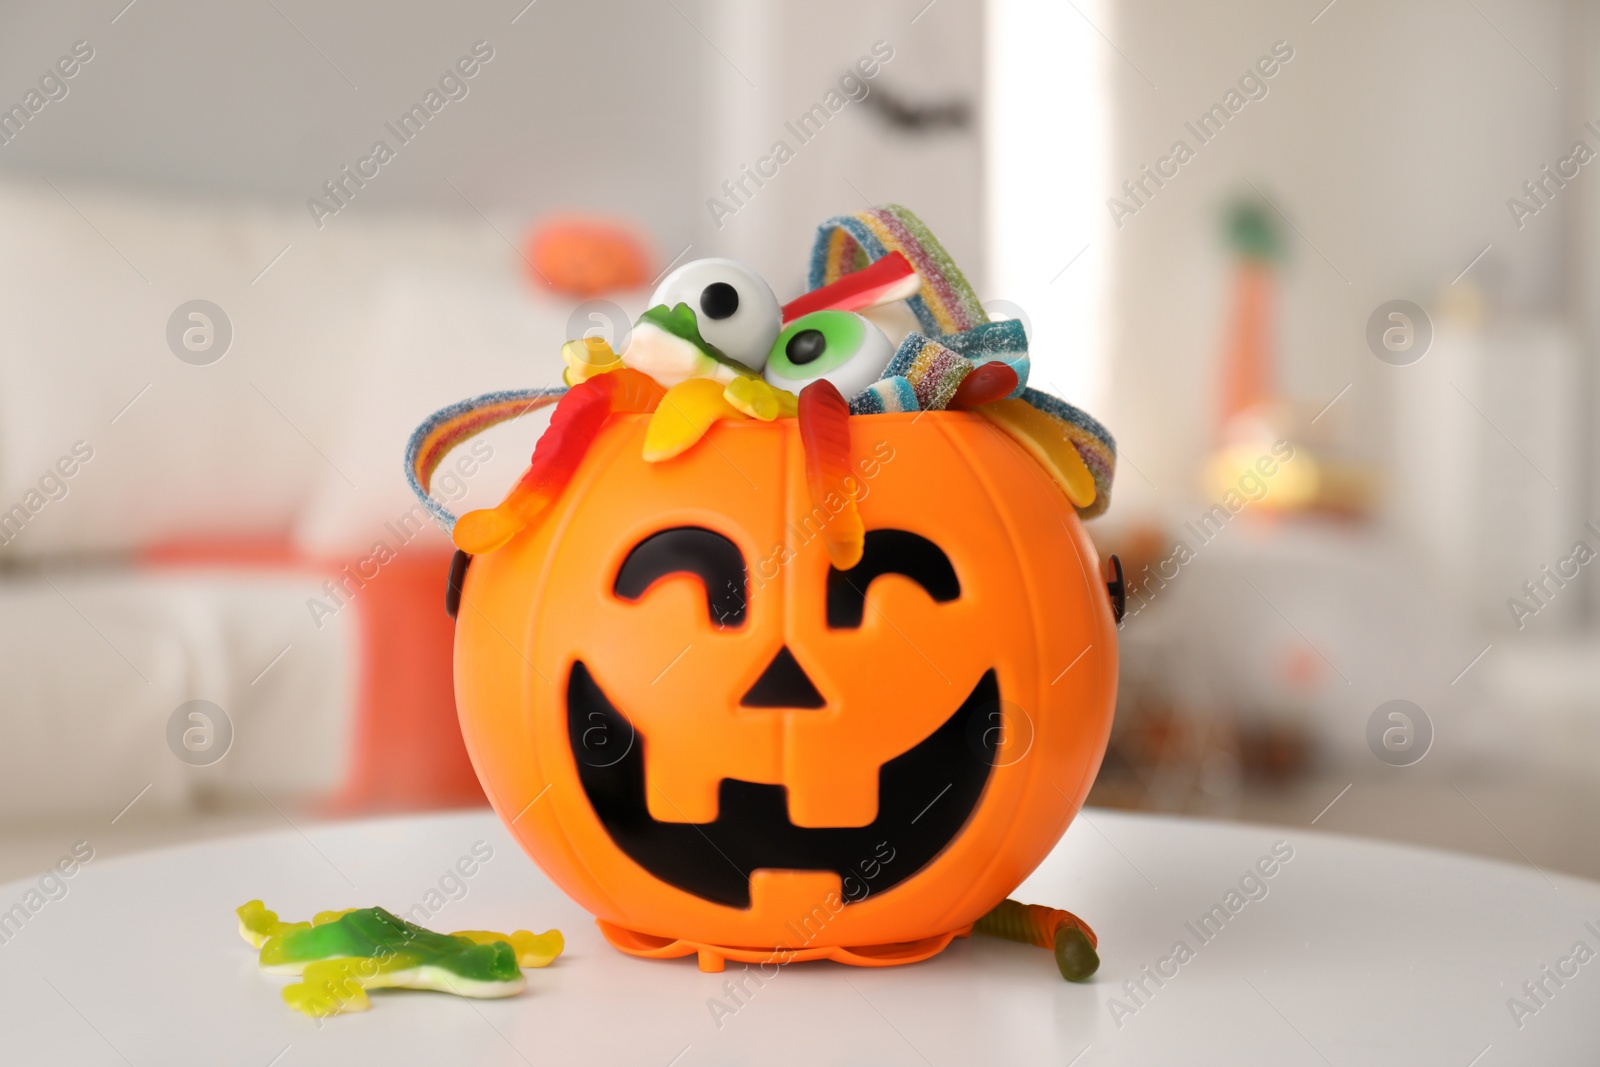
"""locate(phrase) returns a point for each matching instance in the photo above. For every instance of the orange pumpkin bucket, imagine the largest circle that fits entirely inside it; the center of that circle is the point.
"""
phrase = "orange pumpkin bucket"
(726, 729)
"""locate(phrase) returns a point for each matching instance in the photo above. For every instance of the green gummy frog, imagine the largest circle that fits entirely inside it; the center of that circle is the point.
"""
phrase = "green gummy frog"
(339, 955)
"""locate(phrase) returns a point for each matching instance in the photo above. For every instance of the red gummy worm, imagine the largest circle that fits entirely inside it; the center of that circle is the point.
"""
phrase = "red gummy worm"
(992, 381)
(577, 419)
(825, 434)
(860, 289)
(824, 419)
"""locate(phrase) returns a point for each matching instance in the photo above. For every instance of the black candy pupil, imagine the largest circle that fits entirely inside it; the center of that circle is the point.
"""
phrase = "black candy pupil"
(719, 300)
(805, 346)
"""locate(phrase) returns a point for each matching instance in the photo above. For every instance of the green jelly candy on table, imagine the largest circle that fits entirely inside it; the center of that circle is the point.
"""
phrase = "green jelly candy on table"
(344, 953)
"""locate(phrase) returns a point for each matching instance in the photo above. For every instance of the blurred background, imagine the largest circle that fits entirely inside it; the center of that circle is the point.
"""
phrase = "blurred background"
(1324, 269)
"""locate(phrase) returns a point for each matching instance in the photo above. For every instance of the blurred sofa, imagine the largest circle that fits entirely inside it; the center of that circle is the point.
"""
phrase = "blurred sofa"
(209, 508)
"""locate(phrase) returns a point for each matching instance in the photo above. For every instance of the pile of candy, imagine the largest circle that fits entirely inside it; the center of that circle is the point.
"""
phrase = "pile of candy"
(716, 345)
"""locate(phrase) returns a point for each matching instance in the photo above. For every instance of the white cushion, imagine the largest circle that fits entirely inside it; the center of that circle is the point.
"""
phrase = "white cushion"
(97, 661)
(438, 335)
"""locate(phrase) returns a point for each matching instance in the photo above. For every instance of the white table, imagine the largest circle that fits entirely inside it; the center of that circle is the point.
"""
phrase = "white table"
(1360, 953)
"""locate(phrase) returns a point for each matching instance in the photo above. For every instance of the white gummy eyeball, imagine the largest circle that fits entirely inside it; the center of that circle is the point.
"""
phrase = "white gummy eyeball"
(733, 305)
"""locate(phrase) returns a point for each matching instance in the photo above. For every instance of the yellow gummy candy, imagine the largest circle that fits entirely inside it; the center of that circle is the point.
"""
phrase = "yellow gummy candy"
(1042, 437)
(533, 950)
(586, 358)
(256, 923)
(332, 986)
(323, 917)
(686, 412)
(329, 987)
(756, 398)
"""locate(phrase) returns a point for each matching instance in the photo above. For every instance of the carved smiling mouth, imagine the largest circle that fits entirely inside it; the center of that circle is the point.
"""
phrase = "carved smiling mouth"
(925, 796)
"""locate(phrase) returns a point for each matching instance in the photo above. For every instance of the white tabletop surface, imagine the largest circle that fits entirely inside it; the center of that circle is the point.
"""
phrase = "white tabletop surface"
(1359, 953)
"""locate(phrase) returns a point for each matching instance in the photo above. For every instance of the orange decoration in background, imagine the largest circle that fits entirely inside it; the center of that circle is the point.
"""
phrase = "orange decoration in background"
(586, 257)
(1247, 373)
(1248, 380)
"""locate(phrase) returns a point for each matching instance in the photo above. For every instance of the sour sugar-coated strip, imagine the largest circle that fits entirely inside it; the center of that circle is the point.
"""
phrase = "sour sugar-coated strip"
(824, 417)
(1071, 939)
(448, 427)
(986, 384)
(890, 278)
(574, 425)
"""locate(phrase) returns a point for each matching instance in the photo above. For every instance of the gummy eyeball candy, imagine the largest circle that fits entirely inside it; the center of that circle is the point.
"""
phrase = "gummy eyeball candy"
(734, 307)
(840, 347)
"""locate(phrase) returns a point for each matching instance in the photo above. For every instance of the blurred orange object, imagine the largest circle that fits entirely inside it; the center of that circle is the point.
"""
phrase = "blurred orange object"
(1247, 363)
(408, 751)
(587, 256)
(1247, 375)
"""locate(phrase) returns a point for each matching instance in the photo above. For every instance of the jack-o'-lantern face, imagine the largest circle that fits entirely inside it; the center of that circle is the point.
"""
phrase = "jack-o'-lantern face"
(822, 827)
(702, 730)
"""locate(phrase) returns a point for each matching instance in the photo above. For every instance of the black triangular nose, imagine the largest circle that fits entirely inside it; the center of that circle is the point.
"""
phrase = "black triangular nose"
(783, 685)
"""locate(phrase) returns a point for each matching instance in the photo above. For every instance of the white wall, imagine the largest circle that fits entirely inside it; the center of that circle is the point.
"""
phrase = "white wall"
(787, 57)
(1048, 112)
(585, 105)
